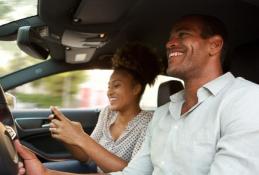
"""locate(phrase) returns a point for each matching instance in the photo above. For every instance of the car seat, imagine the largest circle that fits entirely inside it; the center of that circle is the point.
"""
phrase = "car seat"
(244, 61)
(166, 89)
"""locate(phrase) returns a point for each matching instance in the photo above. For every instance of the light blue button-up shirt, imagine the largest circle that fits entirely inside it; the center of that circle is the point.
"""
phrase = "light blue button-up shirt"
(217, 136)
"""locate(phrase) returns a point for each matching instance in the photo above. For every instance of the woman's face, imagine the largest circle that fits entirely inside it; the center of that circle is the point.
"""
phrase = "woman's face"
(122, 90)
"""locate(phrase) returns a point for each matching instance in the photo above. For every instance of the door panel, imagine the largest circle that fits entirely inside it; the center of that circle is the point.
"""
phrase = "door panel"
(32, 128)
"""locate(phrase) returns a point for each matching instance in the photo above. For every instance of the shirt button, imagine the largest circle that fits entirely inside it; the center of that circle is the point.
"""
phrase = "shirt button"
(176, 127)
(162, 163)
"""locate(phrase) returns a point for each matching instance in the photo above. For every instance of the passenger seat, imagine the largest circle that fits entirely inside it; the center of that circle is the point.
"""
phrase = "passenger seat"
(167, 89)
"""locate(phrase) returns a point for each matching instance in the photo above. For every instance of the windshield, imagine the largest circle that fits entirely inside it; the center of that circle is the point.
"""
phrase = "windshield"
(12, 58)
(11, 10)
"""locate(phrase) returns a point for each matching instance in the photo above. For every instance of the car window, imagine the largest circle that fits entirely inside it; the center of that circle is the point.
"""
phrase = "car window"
(11, 10)
(77, 89)
(12, 58)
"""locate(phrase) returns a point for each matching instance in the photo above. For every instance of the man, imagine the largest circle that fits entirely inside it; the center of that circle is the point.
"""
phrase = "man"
(211, 127)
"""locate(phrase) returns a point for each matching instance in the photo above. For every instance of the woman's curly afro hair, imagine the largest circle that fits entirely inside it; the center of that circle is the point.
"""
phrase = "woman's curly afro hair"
(141, 61)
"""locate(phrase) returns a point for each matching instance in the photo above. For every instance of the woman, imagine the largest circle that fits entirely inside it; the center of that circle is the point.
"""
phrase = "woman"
(121, 126)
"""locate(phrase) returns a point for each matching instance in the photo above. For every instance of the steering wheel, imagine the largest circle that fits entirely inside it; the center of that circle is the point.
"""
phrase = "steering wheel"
(8, 155)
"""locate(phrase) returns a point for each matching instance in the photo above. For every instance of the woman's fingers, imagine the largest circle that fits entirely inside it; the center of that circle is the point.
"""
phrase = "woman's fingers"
(54, 126)
(57, 126)
(59, 115)
(54, 131)
(55, 123)
(56, 136)
(51, 116)
(62, 128)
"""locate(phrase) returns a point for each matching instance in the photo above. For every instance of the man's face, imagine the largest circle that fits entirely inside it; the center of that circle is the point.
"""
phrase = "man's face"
(187, 51)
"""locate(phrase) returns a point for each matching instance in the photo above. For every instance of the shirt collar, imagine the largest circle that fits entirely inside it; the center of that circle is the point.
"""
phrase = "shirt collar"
(212, 87)
(177, 97)
(219, 83)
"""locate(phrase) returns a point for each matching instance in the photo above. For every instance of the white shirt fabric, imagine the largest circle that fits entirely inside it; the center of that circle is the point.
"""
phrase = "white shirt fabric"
(217, 136)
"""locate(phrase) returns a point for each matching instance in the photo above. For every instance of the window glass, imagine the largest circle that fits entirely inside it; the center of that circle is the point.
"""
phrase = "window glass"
(12, 58)
(11, 10)
(78, 89)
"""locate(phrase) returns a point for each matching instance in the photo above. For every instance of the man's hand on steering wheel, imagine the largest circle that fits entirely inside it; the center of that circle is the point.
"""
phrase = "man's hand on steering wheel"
(30, 164)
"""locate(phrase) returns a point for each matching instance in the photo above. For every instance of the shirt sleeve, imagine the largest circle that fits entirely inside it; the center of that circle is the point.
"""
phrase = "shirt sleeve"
(238, 146)
(98, 130)
(141, 163)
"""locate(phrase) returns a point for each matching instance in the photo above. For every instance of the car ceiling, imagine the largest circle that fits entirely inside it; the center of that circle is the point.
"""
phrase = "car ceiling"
(147, 21)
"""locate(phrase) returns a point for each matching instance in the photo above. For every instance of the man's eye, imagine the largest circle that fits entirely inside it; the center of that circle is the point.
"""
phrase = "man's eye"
(182, 34)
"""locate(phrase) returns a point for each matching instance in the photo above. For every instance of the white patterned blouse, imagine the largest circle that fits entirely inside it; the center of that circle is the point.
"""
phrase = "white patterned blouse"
(129, 142)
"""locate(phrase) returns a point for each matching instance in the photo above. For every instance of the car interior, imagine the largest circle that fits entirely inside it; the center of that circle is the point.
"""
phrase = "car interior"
(84, 34)
(166, 89)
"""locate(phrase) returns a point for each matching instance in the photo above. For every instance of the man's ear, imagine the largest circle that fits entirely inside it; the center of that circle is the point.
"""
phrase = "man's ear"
(215, 45)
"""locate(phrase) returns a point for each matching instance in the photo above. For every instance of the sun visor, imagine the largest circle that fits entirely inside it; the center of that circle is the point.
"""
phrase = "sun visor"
(80, 47)
(79, 55)
(28, 42)
(83, 40)
(101, 12)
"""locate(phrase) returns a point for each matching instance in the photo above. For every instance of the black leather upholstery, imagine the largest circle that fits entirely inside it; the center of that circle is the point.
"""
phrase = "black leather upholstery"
(244, 61)
(166, 89)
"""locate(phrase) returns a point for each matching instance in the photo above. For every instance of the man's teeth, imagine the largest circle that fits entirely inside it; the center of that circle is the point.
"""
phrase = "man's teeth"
(174, 54)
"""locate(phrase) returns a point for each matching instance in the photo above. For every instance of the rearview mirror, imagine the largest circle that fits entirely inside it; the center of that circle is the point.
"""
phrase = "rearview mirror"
(28, 41)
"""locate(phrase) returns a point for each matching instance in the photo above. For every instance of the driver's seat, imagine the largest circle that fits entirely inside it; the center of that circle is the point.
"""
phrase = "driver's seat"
(244, 61)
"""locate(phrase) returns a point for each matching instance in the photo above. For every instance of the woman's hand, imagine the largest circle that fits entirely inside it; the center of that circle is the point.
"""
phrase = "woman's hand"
(65, 130)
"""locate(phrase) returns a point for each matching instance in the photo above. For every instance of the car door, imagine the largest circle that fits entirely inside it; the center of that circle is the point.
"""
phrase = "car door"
(33, 130)
(31, 110)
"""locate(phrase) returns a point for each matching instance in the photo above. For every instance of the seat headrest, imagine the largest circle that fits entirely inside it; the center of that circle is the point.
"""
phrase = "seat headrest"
(166, 89)
(244, 61)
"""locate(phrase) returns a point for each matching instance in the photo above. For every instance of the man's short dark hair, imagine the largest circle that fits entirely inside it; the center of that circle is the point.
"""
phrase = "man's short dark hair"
(212, 26)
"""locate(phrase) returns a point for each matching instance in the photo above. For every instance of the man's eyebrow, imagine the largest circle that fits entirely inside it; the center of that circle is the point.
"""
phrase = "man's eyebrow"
(181, 29)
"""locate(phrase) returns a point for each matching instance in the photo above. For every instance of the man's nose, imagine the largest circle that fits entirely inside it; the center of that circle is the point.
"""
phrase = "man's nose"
(172, 42)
